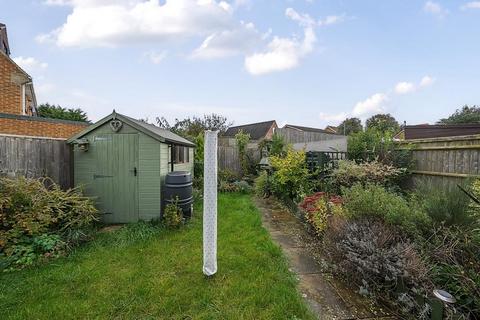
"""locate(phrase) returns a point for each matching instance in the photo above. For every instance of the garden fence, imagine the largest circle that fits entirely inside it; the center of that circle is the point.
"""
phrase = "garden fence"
(324, 160)
(34, 157)
(445, 161)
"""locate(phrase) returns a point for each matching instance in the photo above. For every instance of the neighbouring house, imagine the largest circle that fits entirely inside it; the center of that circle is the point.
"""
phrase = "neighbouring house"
(123, 162)
(18, 104)
(313, 139)
(425, 131)
(331, 129)
(257, 131)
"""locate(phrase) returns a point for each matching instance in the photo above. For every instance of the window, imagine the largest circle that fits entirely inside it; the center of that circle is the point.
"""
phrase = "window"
(181, 154)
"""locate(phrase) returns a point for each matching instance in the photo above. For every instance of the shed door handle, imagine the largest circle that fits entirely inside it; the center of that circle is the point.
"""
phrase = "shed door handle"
(135, 171)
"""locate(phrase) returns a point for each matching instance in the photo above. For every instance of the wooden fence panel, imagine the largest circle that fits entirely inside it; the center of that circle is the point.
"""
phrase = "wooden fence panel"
(445, 161)
(229, 158)
(33, 157)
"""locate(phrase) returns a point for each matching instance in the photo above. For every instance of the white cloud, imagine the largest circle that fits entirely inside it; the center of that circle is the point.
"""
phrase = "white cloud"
(373, 104)
(329, 20)
(404, 87)
(427, 81)
(241, 40)
(303, 19)
(156, 57)
(112, 23)
(471, 5)
(30, 64)
(435, 9)
(283, 53)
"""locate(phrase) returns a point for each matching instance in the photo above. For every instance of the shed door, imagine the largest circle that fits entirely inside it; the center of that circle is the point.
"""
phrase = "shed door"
(115, 179)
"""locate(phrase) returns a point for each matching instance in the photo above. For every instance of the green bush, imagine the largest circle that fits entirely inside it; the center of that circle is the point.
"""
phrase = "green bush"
(172, 215)
(373, 144)
(375, 201)
(453, 254)
(379, 259)
(349, 172)
(449, 205)
(243, 187)
(291, 178)
(36, 221)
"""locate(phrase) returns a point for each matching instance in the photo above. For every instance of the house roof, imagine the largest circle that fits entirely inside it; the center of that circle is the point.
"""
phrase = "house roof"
(256, 131)
(4, 46)
(151, 130)
(424, 131)
(331, 129)
(302, 128)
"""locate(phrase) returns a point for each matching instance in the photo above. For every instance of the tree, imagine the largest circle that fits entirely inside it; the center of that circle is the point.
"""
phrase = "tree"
(349, 126)
(192, 127)
(383, 123)
(47, 110)
(242, 139)
(464, 115)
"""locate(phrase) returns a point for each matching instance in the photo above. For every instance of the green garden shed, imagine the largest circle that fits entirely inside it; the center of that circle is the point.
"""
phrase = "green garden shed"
(122, 163)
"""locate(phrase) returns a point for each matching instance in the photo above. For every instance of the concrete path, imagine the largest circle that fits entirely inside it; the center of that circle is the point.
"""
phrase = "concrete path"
(328, 298)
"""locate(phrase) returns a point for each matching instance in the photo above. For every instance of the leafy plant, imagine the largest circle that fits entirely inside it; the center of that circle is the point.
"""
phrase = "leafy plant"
(34, 219)
(377, 258)
(262, 185)
(243, 187)
(383, 123)
(466, 114)
(453, 254)
(349, 126)
(291, 178)
(319, 207)
(242, 139)
(448, 205)
(349, 172)
(172, 215)
(374, 201)
(274, 147)
(47, 110)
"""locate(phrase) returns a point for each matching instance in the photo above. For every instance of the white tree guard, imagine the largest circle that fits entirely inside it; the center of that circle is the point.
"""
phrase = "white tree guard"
(210, 204)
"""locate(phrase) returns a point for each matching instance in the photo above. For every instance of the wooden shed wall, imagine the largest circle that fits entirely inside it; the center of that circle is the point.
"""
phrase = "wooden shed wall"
(149, 167)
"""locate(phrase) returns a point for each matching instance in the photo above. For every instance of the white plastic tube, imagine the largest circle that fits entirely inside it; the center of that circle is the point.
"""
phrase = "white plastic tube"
(210, 204)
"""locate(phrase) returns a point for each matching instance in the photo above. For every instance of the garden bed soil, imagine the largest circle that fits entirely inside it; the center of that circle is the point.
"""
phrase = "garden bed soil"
(327, 296)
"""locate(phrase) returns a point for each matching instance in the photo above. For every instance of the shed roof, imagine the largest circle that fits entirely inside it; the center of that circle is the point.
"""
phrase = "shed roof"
(256, 131)
(424, 131)
(151, 130)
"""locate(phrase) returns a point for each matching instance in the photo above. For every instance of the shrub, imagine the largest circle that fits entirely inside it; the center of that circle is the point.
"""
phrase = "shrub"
(172, 215)
(290, 177)
(373, 144)
(376, 257)
(36, 221)
(453, 254)
(227, 175)
(318, 207)
(242, 187)
(449, 205)
(350, 172)
(262, 185)
(375, 201)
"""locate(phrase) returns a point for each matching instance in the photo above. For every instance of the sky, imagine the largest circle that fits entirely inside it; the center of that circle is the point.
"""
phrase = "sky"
(303, 62)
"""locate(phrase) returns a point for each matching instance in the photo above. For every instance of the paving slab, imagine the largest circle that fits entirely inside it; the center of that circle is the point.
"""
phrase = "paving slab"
(327, 297)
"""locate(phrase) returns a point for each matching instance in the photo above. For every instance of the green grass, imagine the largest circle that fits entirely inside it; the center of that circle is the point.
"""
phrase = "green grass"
(146, 272)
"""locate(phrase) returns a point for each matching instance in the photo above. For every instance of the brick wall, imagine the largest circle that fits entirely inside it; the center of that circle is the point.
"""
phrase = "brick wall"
(10, 86)
(39, 127)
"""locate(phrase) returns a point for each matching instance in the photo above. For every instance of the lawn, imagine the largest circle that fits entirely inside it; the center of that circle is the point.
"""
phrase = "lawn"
(147, 272)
